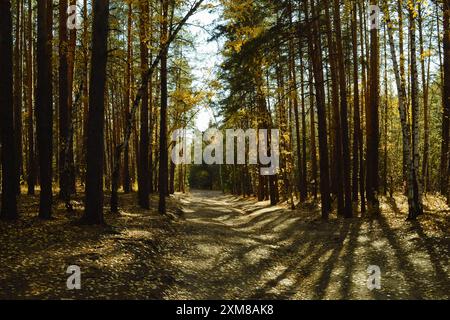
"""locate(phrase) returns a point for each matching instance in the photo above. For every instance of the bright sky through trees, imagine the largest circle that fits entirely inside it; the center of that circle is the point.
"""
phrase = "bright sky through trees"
(205, 58)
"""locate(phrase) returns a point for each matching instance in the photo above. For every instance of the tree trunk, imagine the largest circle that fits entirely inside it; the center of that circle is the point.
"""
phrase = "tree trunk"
(372, 127)
(414, 208)
(44, 109)
(357, 133)
(446, 102)
(95, 142)
(385, 117)
(9, 204)
(313, 146)
(337, 161)
(415, 112)
(18, 90)
(31, 170)
(126, 153)
(63, 98)
(315, 51)
(294, 94)
(348, 211)
(163, 158)
(70, 163)
(86, 86)
(143, 168)
(426, 109)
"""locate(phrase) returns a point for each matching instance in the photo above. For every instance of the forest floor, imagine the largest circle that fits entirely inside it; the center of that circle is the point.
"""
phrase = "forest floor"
(225, 247)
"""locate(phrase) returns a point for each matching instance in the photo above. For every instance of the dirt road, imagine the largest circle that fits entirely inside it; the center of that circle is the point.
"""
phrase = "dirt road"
(224, 248)
(237, 249)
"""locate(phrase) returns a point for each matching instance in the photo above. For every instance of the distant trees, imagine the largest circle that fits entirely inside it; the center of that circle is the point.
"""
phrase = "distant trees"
(310, 69)
(412, 180)
(343, 83)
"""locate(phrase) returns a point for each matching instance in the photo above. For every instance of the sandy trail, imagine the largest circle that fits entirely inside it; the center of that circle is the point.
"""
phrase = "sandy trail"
(231, 248)
(225, 247)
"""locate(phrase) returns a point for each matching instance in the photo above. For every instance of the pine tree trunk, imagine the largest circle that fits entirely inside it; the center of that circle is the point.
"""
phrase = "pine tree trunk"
(385, 117)
(313, 146)
(143, 169)
(446, 100)
(415, 113)
(446, 103)
(85, 88)
(126, 153)
(348, 210)
(95, 139)
(63, 98)
(163, 158)
(337, 158)
(356, 109)
(44, 109)
(70, 162)
(18, 91)
(426, 111)
(315, 51)
(364, 97)
(9, 202)
(31, 170)
(304, 169)
(372, 127)
(293, 75)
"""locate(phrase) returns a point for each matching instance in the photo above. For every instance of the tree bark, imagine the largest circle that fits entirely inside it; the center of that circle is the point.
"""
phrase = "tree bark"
(445, 102)
(44, 108)
(143, 168)
(95, 141)
(163, 161)
(348, 211)
(126, 153)
(9, 202)
(357, 133)
(31, 169)
(372, 127)
(301, 185)
(414, 207)
(315, 51)
(63, 98)
(415, 112)
(337, 159)
(18, 91)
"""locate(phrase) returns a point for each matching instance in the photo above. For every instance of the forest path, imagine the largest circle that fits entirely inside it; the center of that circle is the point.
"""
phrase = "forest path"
(225, 247)
(230, 248)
